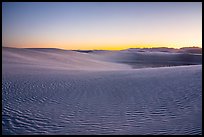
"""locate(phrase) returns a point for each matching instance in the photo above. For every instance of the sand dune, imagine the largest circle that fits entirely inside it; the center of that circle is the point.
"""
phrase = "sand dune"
(147, 58)
(54, 91)
(96, 60)
(55, 59)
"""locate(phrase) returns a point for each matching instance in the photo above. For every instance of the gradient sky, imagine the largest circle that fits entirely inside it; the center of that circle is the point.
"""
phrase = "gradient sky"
(101, 25)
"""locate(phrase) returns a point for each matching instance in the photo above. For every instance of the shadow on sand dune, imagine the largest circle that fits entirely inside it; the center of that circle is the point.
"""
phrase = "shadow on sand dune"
(143, 60)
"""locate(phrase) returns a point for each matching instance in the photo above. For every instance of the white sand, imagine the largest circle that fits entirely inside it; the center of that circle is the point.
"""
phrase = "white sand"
(67, 92)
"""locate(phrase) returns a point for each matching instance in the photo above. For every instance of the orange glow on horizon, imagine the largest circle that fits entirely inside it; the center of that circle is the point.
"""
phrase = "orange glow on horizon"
(101, 47)
(90, 26)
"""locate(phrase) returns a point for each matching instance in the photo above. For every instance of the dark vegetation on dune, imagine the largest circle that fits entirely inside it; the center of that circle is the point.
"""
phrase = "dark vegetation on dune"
(83, 51)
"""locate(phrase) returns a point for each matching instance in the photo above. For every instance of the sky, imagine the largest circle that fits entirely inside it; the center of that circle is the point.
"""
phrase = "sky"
(101, 25)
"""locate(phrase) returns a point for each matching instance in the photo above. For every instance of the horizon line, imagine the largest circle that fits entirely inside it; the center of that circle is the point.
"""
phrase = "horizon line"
(103, 49)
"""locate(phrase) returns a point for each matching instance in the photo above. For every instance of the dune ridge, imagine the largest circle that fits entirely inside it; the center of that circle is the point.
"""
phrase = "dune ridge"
(96, 60)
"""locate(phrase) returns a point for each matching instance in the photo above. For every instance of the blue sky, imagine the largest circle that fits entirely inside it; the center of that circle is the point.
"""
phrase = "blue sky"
(102, 25)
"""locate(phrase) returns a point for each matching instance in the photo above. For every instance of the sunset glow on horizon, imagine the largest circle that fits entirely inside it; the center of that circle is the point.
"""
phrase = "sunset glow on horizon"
(101, 26)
